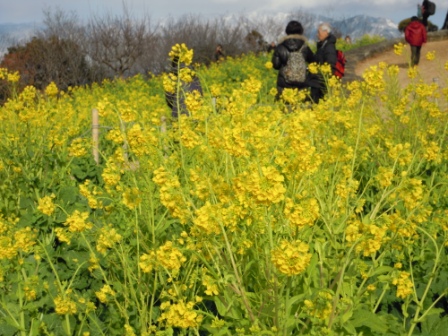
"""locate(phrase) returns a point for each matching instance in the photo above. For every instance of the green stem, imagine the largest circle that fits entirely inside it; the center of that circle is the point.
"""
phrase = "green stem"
(416, 318)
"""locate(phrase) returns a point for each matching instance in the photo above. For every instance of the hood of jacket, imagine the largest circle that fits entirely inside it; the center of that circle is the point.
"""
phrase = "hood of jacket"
(414, 25)
(293, 42)
(331, 39)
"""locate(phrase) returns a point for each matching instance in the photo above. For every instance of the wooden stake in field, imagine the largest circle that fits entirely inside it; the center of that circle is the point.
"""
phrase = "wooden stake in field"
(95, 135)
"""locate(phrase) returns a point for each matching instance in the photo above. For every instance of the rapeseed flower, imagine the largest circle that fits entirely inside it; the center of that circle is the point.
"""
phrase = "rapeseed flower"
(322, 305)
(404, 285)
(291, 258)
(170, 257)
(64, 306)
(76, 222)
(398, 48)
(304, 213)
(431, 55)
(105, 293)
(107, 239)
(46, 205)
(181, 315)
(77, 148)
(51, 90)
(132, 198)
(181, 53)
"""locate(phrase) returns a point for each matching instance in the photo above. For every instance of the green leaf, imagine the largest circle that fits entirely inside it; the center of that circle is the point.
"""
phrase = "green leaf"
(228, 307)
(8, 329)
(68, 194)
(365, 318)
(383, 270)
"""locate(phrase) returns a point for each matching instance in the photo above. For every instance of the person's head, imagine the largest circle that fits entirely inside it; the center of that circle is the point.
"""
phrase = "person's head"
(294, 28)
(218, 47)
(348, 39)
(414, 18)
(323, 31)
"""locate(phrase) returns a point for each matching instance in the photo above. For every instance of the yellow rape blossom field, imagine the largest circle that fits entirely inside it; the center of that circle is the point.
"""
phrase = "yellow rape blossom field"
(250, 217)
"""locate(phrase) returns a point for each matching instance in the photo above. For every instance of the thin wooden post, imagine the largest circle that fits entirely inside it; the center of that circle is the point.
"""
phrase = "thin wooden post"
(163, 131)
(95, 135)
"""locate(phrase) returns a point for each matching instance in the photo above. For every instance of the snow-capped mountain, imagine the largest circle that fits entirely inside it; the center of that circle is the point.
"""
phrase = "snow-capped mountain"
(271, 26)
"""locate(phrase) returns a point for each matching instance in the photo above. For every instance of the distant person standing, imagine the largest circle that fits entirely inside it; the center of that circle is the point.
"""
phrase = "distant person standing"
(326, 53)
(291, 57)
(428, 8)
(219, 53)
(425, 12)
(415, 35)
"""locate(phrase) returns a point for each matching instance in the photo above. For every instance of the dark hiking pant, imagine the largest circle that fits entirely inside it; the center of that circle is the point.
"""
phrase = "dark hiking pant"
(415, 55)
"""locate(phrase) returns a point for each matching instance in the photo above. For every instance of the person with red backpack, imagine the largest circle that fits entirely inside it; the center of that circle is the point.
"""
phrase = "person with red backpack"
(415, 35)
(326, 53)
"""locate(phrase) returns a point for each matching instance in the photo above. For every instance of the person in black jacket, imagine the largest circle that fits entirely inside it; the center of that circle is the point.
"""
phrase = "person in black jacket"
(326, 53)
(425, 13)
(176, 100)
(293, 41)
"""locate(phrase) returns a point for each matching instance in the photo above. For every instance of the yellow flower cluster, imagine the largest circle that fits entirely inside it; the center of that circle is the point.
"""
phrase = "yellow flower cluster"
(147, 262)
(170, 257)
(265, 188)
(210, 285)
(91, 192)
(384, 177)
(12, 77)
(401, 153)
(411, 193)
(166, 256)
(105, 293)
(293, 96)
(321, 306)
(207, 219)
(108, 237)
(132, 198)
(369, 236)
(25, 239)
(182, 53)
(77, 148)
(46, 205)
(431, 55)
(76, 222)
(181, 315)
(291, 258)
(302, 214)
(111, 175)
(398, 48)
(404, 285)
(170, 194)
(63, 235)
(51, 90)
(64, 306)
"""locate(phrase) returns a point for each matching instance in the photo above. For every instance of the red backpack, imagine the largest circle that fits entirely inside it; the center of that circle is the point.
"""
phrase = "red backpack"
(340, 64)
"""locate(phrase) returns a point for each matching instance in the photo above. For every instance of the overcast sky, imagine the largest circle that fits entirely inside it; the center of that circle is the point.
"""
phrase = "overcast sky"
(20, 11)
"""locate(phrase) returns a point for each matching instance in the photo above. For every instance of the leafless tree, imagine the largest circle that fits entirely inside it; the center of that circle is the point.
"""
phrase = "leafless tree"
(118, 42)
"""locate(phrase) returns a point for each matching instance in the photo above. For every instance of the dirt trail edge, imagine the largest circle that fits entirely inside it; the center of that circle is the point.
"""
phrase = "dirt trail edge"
(362, 58)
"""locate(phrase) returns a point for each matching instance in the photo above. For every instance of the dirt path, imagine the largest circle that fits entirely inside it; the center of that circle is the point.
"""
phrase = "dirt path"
(429, 70)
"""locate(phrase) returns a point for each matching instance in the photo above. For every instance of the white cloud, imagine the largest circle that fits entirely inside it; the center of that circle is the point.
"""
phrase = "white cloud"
(31, 10)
